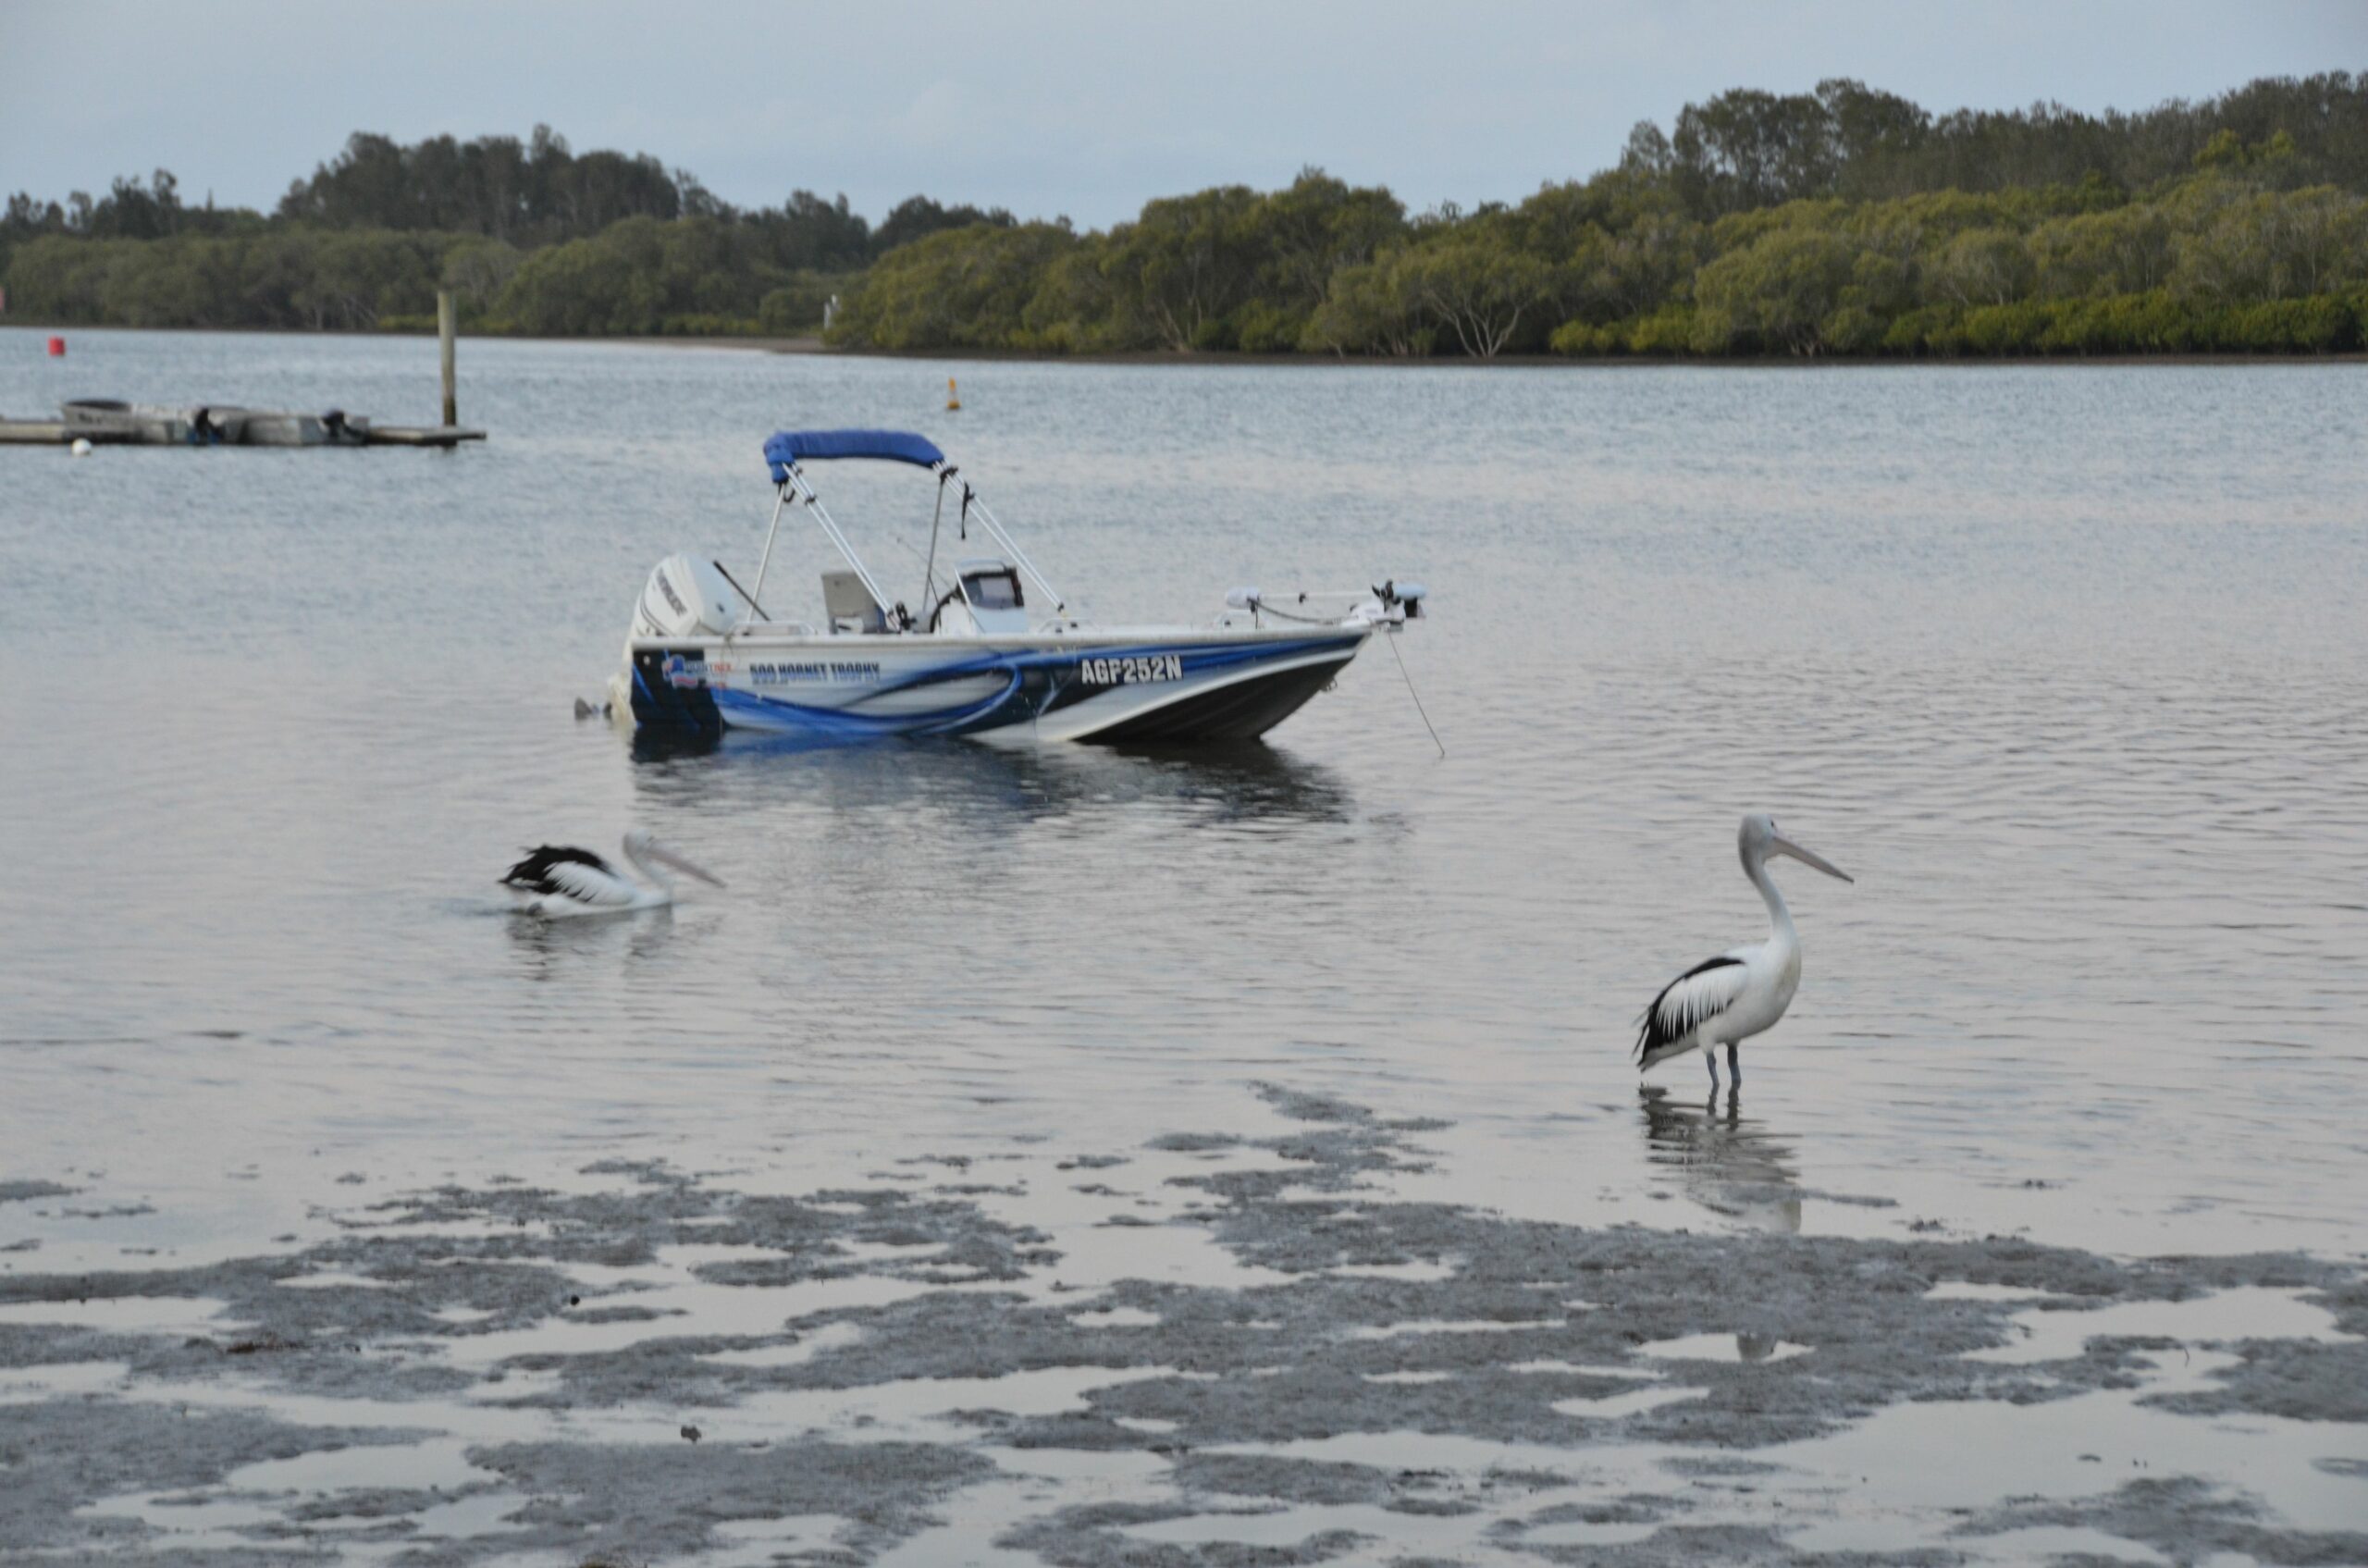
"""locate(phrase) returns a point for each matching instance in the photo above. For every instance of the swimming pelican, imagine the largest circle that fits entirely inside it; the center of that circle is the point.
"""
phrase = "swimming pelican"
(554, 881)
(1742, 991)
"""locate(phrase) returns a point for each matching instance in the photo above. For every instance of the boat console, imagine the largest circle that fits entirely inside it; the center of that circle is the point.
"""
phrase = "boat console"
(986, 597)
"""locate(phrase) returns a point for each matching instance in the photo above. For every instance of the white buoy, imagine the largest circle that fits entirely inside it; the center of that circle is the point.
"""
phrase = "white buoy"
(81, 447)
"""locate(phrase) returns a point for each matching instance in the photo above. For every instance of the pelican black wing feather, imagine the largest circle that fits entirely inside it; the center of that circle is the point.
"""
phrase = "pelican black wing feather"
(1680, 1008)
(533, 875)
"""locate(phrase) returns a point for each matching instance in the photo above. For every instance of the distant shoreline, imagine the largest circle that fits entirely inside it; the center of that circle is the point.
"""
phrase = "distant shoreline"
(794, 345)
(778, 345)
(1566, 362)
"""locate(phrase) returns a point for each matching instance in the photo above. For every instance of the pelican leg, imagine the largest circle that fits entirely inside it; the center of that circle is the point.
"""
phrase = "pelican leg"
(1734, 1068)
(1710, 1060)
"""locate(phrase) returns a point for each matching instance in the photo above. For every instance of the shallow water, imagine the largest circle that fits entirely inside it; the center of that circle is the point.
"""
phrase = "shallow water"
(2065, 664)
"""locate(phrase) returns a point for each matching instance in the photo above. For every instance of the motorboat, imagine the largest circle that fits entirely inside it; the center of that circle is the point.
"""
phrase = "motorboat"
(333, 427)
(994, 651)
(154, 425)
(213, 425)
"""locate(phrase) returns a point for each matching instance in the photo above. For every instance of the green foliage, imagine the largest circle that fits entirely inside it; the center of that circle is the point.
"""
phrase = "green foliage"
(1666, 332)
(1772, 295)
(583, 286)
(1317, 226)
(1584, 340)
(2001, 329)
(1477, 286)
(2271, 244)
(477, 271)
(797, 304)
(1927, 330)
(1844, 221)
(1265, 327)
(534, 191)
(1371, 308)
(295, 280)
(2124, 250)
(1179, 270)
(961, 287)
(2155, 322)
(2319, 323)
(1983, 266)
(1745, 150)
(916, 217)
(1851, 329)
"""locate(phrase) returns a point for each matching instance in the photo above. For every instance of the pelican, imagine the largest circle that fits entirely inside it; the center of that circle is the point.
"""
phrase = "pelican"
(1728, 999)
(555, 881)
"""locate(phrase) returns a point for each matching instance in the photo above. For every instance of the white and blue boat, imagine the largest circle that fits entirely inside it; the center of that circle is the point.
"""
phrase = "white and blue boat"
(992, 651)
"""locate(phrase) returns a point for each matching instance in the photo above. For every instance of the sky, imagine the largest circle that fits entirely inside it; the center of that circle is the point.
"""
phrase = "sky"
(1054, 106)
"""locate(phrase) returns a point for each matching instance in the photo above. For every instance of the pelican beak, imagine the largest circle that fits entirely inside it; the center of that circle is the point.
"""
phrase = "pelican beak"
(1783, 845)
(656, 852)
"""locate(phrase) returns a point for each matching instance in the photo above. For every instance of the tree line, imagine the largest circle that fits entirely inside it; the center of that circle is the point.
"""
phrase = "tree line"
(525, 195)
(1845, 220)
(531, 236)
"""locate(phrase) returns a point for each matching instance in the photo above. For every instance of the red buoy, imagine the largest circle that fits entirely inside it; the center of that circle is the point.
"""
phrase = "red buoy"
(57, 348)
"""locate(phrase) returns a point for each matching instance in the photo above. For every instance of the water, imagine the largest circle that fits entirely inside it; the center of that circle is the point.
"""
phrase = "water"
(2065, 664)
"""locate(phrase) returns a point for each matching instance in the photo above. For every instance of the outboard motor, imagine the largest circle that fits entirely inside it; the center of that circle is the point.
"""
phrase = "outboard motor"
(1393, 604)
(687, 603)
(687, 598)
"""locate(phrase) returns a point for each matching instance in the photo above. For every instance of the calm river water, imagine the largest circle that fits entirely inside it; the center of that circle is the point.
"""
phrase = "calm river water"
(2068, 665)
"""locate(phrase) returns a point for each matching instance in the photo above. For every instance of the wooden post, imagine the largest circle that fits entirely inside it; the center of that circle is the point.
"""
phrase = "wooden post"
(446, 328)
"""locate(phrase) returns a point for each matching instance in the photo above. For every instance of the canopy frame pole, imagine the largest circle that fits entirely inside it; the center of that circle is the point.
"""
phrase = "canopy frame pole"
(929, 567)
(972, 504)
(781, 498)
(828, 526)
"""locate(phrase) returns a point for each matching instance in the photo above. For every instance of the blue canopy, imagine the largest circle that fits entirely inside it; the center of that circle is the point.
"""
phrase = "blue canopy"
(786, 447)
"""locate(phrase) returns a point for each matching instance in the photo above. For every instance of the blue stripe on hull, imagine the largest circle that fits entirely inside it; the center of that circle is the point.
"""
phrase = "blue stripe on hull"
(747, 710)
(1036, 681)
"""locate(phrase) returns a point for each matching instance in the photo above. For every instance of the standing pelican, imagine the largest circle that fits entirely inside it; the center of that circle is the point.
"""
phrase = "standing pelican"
(555, 881)
(1742, 991)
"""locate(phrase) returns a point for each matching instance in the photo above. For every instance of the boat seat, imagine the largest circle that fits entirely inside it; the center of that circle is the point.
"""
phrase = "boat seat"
(848, 606)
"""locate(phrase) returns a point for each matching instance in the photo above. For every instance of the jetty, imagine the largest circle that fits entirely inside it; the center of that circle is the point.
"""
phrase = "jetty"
(110, 422)
(82, 422)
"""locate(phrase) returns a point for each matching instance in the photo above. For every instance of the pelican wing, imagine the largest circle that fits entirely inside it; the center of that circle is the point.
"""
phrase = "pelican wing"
(533, 875)
(593, 886)
(1687, 1003)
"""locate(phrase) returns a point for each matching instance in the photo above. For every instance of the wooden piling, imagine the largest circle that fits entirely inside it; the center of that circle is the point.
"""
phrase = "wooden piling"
(446, 329)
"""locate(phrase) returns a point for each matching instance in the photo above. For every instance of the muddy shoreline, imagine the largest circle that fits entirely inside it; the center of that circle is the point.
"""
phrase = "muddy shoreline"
(1213, 1349)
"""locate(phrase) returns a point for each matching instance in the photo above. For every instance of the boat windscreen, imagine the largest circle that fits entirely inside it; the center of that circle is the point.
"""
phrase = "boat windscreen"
(787, 446)
(992, 591)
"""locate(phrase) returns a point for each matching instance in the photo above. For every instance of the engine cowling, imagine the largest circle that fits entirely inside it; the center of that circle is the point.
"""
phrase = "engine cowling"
(687, 596)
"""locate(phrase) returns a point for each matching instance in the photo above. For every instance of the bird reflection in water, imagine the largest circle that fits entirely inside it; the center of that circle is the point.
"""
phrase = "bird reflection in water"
(1728, 1163)
(550, 950)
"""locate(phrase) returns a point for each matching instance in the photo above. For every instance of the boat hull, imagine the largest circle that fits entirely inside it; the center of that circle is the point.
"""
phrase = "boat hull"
(1150, 685)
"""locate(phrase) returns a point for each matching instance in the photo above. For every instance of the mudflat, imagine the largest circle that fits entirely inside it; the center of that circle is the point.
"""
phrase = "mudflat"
(1213, 1349)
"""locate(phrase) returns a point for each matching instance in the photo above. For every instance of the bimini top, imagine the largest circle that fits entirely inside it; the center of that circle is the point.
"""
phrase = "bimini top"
(786, 447)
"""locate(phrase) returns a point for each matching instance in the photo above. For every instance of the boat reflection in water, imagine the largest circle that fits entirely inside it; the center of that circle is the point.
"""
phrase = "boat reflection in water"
(1723, 1160)
(963, 786)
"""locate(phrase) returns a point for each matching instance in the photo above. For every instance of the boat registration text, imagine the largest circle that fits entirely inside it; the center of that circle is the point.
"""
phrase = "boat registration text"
(1131, 672)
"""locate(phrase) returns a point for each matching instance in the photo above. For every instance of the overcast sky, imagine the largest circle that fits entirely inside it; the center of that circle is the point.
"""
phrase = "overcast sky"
(1050, 107)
